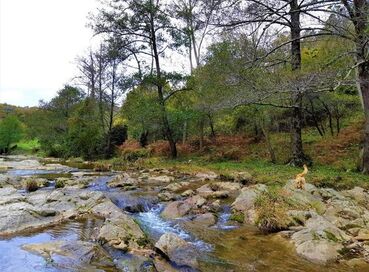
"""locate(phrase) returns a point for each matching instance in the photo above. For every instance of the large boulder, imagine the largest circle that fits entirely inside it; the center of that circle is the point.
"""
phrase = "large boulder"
(244, 205)
(177, 250)
(320, 240)
(176, 209)
(122, 233)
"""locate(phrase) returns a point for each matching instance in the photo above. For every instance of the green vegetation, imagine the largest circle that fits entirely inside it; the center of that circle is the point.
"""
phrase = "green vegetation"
(240, 105)
(10, 133)
(31, 185)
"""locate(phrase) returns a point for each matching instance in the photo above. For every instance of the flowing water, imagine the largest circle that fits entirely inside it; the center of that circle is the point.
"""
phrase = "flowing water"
(223, 247)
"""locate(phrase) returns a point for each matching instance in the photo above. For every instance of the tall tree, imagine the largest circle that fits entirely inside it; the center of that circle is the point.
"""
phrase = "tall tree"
(143, 28)
(278, 15)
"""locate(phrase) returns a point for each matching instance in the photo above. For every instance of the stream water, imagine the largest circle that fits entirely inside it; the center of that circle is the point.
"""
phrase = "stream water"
(223, 247)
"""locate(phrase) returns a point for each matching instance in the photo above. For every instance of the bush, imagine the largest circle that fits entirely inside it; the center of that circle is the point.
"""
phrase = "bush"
(131, 151)
(102, 167)
(134, 155)
(31, 185)
(59, 184)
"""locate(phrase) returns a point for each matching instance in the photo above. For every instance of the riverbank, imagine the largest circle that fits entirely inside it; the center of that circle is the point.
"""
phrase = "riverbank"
(159, 218)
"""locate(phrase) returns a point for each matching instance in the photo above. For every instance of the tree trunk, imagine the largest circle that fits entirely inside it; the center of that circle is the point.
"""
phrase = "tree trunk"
(166, 127)
(211, 124)
(298, 156)
(363, 73)
(316, 123)
(184, 133)
(201, 134)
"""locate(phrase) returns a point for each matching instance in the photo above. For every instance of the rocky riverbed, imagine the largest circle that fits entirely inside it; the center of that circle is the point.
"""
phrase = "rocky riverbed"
(165, 220)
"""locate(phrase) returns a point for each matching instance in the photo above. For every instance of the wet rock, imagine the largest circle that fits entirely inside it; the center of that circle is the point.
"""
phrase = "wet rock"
(205, 220)
(177, 250)
(176, 209)
(136, 263)
(122, 233)
(71, 254)
(319, 251)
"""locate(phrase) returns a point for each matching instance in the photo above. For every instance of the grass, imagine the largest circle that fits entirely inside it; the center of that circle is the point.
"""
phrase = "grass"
(28, 146)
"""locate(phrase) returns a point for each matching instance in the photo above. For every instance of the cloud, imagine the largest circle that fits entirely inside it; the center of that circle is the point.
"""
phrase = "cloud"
(39, 41)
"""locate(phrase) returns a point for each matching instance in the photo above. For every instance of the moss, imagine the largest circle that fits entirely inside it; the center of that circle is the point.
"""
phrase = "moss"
(238, 217)
(330, 236)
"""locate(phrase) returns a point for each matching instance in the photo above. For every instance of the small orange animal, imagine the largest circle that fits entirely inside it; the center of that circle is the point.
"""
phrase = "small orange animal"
(300, 178)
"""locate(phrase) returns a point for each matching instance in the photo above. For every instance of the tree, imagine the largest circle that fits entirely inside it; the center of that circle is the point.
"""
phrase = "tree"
(10, 133)
(278, 15)
(142, 28)
(358, 14)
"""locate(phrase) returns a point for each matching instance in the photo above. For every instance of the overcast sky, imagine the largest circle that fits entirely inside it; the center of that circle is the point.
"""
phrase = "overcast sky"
(39, 41)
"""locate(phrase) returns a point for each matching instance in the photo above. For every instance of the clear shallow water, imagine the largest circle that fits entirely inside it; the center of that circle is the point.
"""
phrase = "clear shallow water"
(14, 259)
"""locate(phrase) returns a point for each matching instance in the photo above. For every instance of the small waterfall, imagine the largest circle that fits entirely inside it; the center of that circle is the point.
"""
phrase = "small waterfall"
(156, 226)
(223, 219)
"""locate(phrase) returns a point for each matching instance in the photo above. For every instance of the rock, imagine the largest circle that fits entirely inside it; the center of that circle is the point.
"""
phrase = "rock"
(244, 203)
(308, 187)
(177, 250)
(136, 263)
(319, 251)
(195, 201)
(176, 209)
(358, 194)
(160, 179)
(206, 176)
(212, 191)
(320, 240)
(122, 233)
(122, 181)
(176, 187)
(166, 196)
(205, 220)
(362, 235)
(71, 255)
(188, 193)
(215, 206)
(239, 177)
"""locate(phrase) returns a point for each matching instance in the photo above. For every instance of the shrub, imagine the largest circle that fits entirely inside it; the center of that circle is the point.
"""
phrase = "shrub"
(134, 155)
(271, 208)
(59, 183)
(31, 185)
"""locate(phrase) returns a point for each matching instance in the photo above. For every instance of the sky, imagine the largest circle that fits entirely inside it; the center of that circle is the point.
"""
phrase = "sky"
(39, 42)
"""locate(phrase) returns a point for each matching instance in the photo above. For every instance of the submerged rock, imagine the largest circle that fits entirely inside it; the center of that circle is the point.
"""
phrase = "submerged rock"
(71, 254)
(177, 250)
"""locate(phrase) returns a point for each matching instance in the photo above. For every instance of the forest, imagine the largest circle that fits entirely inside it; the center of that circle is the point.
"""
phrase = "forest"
(197, 135)
(190, 72)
